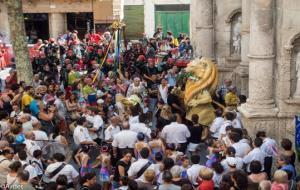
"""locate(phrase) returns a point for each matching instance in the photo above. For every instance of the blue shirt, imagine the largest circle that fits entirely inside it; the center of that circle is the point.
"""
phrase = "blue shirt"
(289, 169)
(171, 80)
(34, 108)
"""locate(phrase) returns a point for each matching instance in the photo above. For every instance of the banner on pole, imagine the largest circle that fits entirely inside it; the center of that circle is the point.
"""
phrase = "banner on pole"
(297, 136)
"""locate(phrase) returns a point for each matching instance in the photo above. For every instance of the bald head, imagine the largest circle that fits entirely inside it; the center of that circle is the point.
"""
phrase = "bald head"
(125, 125)
(3, 144)
(29, 135)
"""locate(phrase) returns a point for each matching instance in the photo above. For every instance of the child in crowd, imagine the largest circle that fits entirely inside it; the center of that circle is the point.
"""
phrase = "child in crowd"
(205, 179)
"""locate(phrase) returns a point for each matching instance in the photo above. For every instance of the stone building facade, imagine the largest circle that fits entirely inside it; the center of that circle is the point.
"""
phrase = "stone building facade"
(256, 43)
(102, 12)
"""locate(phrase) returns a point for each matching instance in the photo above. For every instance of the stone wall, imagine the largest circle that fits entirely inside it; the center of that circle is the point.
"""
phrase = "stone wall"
(271, 62)
(224, 12)
(4, 26)
(211, 36)
(57, 6)
(57, 24)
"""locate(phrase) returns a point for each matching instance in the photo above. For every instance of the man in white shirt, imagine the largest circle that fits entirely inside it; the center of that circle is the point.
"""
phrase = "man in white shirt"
(81, 134)
(237, 123)
(67, 170)
(112, 129)
(133, 119)
(193, 171)
(125, 139)
(255, 154)
(32, 171)
(241, 147)
(25, 119)
(217, 123)
(137, 169)
(141, 127)
(176, 133)
(31, 145)
(270, 148)
(229, 117)
(37, 163)
(230, 154)
(97, 125)
(39, 136)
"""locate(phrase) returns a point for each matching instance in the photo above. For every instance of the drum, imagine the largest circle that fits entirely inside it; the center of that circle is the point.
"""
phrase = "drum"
(54, 147)
(92, 99)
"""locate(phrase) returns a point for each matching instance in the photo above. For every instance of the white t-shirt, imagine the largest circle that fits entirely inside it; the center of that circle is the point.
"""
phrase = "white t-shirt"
(193, 173)
(239, 163)
(97, 123)
(223, 128)
(236, 123)
(125, 139)
(81, 134)
(141, 128)
(32, 171)
(38, 165)
(269, 147)
(68, 171)
(216, 126)
(40, 137)
(163, 93)
(242, 148)
(138, 165)
(27, 127)
(175, 133)
(31, 146)
(255, 154)
(133, 120)
(111, 131)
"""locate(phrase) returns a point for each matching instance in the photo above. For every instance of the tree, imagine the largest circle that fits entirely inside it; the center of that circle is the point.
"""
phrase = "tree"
(18, 38)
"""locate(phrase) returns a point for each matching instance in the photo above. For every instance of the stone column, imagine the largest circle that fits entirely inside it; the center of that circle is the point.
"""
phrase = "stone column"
(261, 60)
(4, 26)
(57, 24)
(243, 68)
(149, 18)
(117, 9)
(201, 24)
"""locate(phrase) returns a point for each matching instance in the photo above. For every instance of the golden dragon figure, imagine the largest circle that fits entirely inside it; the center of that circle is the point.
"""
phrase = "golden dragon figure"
(201, 83)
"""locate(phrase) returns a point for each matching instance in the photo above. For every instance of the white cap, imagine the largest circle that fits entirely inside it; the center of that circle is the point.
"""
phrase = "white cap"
(100, 101)
(231, 161)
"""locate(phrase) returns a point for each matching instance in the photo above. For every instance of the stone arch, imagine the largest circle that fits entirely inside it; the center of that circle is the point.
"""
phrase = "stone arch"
(291, 50)
(233, 14)
(234, 20)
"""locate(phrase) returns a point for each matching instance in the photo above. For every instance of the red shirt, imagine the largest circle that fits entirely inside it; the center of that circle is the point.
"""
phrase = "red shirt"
(206, 185)
(95, 38)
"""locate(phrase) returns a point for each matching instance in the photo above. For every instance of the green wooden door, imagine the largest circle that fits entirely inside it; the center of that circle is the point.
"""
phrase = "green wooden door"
(134, 20)
(175, 21)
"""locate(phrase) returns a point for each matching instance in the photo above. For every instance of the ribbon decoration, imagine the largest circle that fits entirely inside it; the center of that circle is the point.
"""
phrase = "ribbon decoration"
(117, 50)
(104, 59)
(117, 26)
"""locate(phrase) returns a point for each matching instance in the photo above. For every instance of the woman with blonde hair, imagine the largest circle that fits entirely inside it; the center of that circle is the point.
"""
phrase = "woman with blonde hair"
(149, 180)
(264, 185)
(280, 181)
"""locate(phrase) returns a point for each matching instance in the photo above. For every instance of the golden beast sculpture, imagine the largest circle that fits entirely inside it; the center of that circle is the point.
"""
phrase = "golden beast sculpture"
(201, 83)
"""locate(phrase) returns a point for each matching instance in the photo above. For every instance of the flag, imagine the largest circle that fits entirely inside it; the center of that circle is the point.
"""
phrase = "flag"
(297, 135)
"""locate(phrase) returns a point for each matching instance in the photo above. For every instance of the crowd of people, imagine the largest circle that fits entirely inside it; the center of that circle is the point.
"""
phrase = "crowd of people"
(125, 124)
